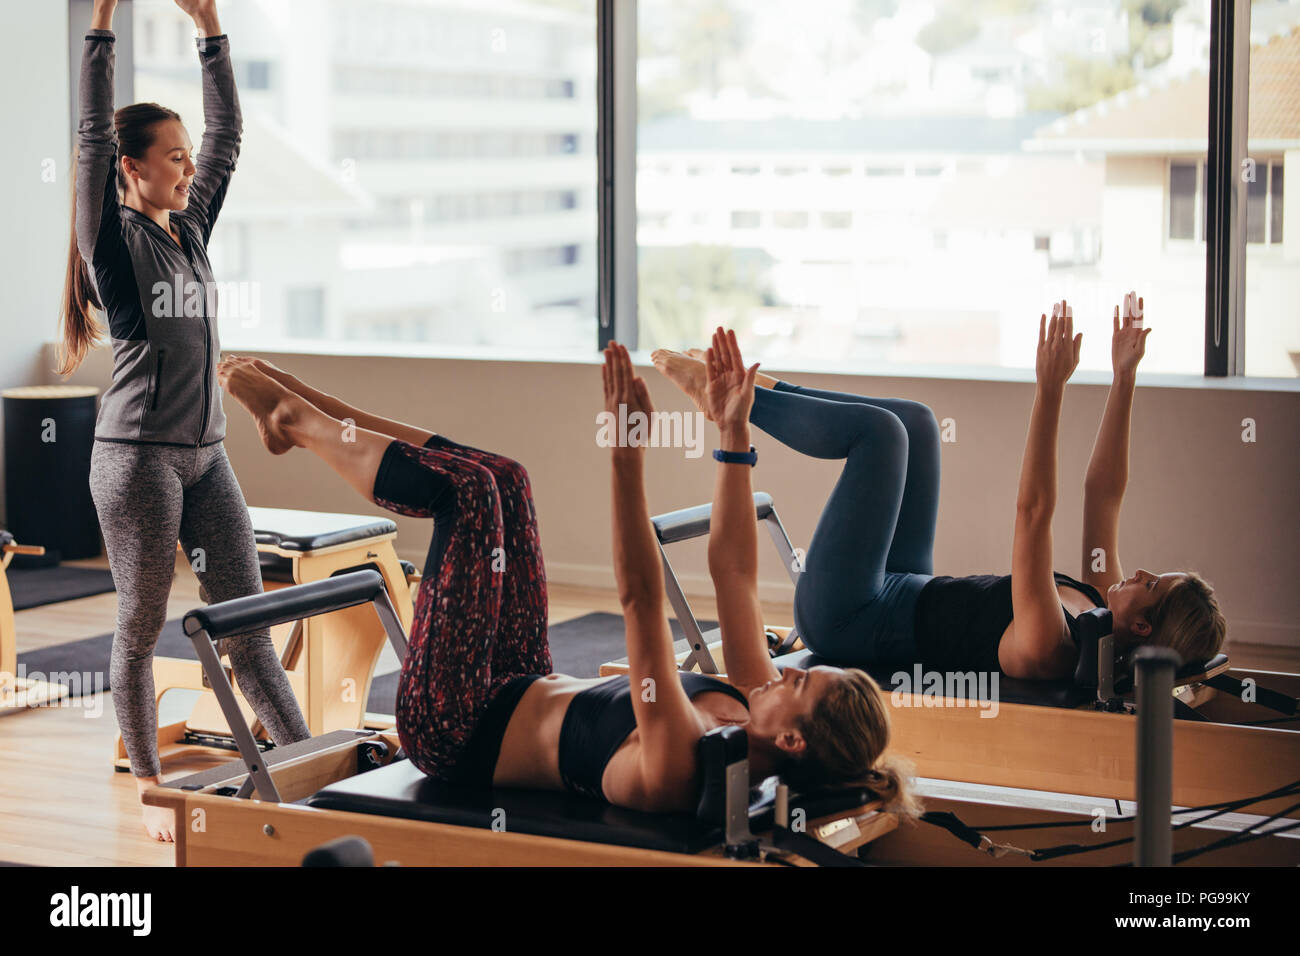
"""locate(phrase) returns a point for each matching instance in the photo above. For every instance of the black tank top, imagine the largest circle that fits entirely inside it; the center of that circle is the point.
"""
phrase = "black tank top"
(598, 721)
(959, 622)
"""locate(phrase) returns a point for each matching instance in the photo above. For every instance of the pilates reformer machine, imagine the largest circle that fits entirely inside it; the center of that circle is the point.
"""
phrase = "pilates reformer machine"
(1237, 734)
(329, 660)
(355, 786)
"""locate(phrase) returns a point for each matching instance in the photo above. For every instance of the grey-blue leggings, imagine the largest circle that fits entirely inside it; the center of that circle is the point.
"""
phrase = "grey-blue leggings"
(148, 497)
(873, 549)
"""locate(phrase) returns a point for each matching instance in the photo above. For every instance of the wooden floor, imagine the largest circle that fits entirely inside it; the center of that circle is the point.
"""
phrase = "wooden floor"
(62, 803)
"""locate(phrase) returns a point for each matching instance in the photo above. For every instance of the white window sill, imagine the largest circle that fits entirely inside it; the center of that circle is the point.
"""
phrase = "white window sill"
(970, 373)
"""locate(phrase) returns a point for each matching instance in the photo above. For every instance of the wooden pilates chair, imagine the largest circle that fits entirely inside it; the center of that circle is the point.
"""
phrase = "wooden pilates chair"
(1067, 736)
(329, 659)
(358, 784)
(18, 693)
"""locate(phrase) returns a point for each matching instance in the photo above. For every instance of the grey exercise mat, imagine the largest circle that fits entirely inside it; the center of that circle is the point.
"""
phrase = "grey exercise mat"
(90, 656)
(578, 647)
(35, 587)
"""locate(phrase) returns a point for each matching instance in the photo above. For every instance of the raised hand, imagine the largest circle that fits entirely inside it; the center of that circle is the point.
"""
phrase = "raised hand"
(195, 7)
(729, 386)
(1058, 347)
(1128, 341)
(624, 387)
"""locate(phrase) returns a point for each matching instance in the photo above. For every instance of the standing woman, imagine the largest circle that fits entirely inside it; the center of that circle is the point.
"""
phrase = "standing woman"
(143, 211)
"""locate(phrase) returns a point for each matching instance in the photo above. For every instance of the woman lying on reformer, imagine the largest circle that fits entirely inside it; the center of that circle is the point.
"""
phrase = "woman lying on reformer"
(477, 703)
(868, 594)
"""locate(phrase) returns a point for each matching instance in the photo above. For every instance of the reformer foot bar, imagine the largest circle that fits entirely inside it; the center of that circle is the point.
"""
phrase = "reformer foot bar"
(1055, 736)
(275, 808)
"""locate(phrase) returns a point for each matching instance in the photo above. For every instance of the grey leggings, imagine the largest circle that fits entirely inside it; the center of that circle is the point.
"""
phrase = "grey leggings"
(149, 497)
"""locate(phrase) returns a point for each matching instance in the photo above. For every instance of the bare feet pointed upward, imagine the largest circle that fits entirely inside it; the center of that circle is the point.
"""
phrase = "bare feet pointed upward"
(274, 408)
(687, 372)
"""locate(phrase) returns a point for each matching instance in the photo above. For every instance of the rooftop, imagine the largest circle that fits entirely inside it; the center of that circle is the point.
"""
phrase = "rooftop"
(1175, 116)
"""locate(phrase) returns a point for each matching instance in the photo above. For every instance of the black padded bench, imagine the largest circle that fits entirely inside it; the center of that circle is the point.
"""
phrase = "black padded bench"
(283, 534)
(402, 790)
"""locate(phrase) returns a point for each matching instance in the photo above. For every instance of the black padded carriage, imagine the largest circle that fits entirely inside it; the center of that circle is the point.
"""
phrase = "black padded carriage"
(1063, 693)
(401, 790)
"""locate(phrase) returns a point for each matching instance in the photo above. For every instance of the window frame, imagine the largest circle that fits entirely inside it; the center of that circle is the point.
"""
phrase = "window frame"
(616, 155)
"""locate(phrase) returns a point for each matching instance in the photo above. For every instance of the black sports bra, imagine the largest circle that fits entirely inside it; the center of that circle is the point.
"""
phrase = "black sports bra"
(598, 721)
(959, 622)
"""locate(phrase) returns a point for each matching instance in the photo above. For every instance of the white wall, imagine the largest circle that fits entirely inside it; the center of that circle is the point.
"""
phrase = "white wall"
(34, 214)
(1199, 497)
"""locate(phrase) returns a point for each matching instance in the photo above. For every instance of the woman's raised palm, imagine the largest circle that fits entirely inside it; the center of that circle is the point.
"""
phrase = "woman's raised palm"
(729, 387)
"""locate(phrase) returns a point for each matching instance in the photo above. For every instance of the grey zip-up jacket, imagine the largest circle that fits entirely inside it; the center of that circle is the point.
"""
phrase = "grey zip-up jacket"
(159, 296)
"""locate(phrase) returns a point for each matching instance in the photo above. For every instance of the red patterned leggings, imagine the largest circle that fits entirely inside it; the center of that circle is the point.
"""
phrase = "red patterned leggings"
(480, 615)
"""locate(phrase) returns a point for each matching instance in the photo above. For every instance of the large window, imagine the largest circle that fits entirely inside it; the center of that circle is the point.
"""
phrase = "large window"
(1272, 273)
(419, 173)
(915, 182)
(851, 183)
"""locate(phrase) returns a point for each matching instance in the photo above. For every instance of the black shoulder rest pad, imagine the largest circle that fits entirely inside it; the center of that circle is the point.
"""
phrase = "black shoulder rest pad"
(717, 749)
(1097, 624)
(257, 611)
(723, 746)
(694, 522)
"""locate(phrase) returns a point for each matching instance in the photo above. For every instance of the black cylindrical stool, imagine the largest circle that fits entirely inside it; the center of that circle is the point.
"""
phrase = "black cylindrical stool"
(49, 435)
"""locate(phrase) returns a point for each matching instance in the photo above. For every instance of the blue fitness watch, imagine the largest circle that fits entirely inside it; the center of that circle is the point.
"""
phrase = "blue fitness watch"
(737, 457)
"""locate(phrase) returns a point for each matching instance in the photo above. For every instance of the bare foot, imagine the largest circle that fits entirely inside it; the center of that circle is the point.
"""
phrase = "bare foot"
(274, 408)
(159, 822)
(280, 375)
(686, 372)
(265, 367)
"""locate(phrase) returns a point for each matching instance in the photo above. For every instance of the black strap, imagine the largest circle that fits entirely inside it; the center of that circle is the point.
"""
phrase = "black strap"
(951, 823)
(973, 837)
(1183, 712)
(1273, 700)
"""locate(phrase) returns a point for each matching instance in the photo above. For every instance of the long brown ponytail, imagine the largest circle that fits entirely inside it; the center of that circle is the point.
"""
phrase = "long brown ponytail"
(81, 331)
